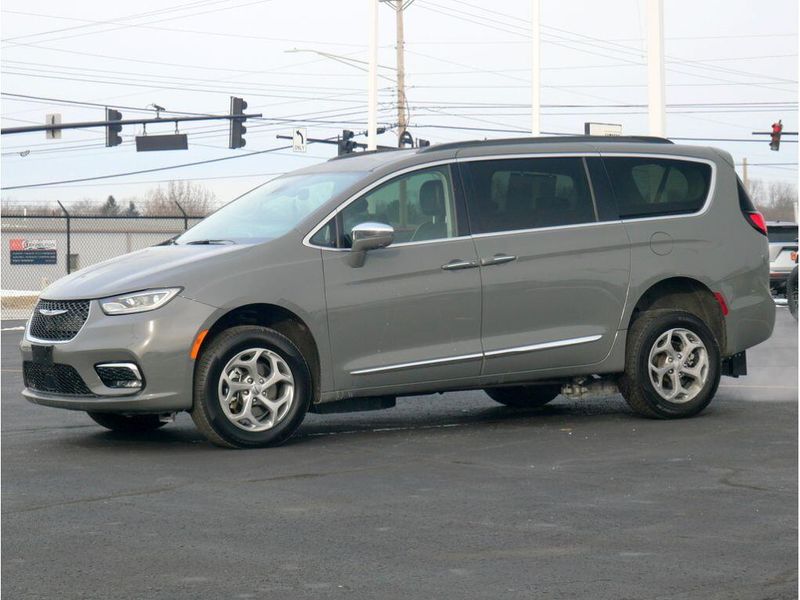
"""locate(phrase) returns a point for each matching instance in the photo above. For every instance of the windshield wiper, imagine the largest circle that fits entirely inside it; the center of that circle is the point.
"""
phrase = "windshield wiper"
(209, 242)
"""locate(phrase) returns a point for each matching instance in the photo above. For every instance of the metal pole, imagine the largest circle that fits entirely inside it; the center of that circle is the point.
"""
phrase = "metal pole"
(655, 67)
(402, 123)
(536, 83)
(185, 216)
(69, 235)
(88, 124)
(745, 180)
(372, 94)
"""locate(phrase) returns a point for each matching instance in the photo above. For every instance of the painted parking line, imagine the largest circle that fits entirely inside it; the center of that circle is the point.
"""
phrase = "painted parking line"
(20, 328)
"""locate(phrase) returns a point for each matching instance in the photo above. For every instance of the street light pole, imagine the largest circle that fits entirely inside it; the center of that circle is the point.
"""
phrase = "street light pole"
(536, 83)
(655, 67)
(372, 90)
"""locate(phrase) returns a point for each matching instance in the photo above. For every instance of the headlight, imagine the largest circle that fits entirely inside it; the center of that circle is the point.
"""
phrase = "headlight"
(137, 302)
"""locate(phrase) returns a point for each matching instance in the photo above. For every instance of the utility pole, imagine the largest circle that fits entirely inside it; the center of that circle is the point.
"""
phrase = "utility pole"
(655, 67)
(744, 174)
(536, 83)
(402, 117)
(400, 7)
(372, 88)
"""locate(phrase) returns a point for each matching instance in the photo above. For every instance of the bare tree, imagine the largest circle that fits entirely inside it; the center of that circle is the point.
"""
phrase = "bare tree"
(776, 200)
(195, 199)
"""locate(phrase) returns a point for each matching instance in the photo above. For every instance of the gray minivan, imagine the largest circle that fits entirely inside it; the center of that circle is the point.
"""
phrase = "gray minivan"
(525, 267)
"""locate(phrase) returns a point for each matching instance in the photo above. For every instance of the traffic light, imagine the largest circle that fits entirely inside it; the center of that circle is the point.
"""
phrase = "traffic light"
(237, 129)
(346, 143)
(112, 131)
(775, 136)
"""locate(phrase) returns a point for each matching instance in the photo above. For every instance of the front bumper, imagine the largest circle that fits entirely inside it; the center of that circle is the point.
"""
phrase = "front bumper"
(158, 342)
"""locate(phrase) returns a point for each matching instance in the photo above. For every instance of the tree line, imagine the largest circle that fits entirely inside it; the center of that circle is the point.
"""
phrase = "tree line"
(194, 199)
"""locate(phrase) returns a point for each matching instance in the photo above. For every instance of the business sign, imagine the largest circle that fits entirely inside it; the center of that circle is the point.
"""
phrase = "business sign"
(32, 252)
(611, 129)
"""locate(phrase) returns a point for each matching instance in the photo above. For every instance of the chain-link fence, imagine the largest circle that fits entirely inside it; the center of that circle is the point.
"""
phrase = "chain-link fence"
(38, 249)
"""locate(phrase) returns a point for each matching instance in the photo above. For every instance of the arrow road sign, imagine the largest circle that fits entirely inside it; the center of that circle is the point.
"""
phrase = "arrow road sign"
(299, 139)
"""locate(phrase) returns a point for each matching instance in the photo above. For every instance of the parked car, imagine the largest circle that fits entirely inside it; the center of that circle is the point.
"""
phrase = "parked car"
(782, 254)
(524, 267)
(791, 292)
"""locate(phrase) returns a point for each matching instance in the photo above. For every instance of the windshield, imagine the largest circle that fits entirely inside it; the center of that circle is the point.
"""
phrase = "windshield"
(269, 210)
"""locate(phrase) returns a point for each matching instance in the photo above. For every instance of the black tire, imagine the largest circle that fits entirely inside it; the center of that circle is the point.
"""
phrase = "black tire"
(524, 396)
(127, 423)
(791, 293)
(635, 384)
(207, 413)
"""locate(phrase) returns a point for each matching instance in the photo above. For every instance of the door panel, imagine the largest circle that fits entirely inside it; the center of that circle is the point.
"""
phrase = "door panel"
(401, 307)
(412, 312)
(554, 278)
(565, 286)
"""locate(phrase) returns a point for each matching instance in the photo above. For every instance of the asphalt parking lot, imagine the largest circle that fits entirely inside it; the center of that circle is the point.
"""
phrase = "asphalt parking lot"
(449, 496)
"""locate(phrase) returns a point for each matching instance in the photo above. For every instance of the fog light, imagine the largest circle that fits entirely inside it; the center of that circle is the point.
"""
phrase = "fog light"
(120, 375)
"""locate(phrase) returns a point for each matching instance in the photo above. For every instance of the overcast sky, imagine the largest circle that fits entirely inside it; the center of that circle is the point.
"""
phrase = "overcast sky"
(731, 69)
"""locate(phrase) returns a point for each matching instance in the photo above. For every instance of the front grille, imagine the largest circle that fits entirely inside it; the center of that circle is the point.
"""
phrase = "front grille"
(60, 327)
(56, 379)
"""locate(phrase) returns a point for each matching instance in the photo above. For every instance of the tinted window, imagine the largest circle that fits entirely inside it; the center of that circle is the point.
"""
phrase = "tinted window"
(782, 233)
(418, 205)
(647, 187)
(526, 193)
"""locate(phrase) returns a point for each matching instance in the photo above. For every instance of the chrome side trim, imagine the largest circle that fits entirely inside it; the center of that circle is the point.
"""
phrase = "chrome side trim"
(543, 346)
(492, 353)
(123, 365)
(418, 363)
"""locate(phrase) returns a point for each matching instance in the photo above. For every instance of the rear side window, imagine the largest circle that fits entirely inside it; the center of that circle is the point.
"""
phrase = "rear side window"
(527, 193)
(652, 187)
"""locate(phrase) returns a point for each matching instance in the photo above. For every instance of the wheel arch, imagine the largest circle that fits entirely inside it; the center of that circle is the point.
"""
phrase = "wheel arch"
(282, 320)
(688, 294)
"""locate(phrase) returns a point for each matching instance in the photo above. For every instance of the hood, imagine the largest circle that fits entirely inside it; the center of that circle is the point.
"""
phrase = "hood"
(159, 266)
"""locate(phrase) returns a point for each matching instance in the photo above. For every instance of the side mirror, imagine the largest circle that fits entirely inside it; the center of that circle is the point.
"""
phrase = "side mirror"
(369, 236)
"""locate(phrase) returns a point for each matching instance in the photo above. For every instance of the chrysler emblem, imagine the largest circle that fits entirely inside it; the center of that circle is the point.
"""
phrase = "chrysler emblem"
(49, 312)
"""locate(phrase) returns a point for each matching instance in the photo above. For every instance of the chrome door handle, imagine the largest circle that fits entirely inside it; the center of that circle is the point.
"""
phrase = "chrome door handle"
(455, 265)
(497, 259)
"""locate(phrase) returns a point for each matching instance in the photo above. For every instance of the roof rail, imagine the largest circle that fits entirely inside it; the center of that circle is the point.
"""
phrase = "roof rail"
(555, 139)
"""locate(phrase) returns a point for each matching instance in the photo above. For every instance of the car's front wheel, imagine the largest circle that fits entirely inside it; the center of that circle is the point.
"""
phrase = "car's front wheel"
(127, 423)
(672, 365)
(252, 388)
(524, 396)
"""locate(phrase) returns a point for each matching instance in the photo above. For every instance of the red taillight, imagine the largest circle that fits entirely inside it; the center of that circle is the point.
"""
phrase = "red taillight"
(756, 219)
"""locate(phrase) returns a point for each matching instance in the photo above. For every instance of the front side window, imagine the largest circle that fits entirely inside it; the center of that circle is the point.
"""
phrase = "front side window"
(419, 206)
(270, 210)
(527, 193)
(647, 187)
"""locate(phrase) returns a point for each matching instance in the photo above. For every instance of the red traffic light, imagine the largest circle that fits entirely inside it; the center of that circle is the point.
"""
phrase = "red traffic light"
(775, 136)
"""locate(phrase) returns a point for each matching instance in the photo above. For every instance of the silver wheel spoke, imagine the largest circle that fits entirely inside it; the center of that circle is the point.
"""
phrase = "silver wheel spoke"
(678, 365)
(246, 384)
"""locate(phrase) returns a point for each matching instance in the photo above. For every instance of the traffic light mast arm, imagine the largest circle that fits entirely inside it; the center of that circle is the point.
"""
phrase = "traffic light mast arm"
(87, 124)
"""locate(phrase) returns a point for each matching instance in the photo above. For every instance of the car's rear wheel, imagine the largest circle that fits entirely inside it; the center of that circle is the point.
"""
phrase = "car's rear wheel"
(791, 292)
(252, 388)
(672, 365)
(524, 396)
(127, 423)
